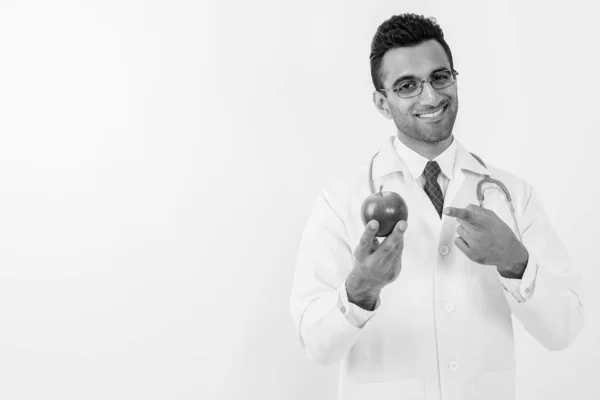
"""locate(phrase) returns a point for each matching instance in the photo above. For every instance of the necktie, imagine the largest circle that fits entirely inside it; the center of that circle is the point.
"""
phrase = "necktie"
(432, 188)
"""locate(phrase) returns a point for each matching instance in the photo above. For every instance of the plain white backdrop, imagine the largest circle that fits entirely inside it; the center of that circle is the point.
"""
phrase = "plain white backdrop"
(158, 160)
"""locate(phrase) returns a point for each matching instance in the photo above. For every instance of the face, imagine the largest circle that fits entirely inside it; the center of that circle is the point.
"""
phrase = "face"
(419, 61)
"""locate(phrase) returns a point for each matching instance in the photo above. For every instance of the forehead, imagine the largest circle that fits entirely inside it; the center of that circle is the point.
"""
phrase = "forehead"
(417, 60)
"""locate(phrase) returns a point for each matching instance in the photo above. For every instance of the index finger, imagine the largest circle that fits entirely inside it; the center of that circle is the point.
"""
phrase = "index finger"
(460, 213)
(366, 240)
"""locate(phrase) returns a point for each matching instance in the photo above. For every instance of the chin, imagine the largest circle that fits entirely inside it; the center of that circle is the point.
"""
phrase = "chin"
(435, 137)
(423, 134)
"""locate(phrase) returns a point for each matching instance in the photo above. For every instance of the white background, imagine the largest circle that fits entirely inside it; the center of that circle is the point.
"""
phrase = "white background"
(158, 160)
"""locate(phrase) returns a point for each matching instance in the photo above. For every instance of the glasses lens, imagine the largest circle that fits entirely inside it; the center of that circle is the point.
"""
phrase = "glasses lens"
(442, 79)
(407, 88)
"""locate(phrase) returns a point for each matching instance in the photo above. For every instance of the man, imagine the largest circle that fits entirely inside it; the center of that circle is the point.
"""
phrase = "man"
(426, 312)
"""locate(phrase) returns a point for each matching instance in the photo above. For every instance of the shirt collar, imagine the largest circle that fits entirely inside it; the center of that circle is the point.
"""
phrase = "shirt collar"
(416, 162)
(389, 160)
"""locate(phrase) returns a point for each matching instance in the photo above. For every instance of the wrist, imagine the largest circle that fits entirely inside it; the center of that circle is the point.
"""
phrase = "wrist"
(361, 293)
(516, 269)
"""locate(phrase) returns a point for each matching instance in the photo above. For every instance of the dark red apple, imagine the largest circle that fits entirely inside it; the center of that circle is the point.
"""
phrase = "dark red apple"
(387, 208)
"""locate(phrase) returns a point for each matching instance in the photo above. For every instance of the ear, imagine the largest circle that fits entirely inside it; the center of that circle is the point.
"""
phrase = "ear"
(381, 104)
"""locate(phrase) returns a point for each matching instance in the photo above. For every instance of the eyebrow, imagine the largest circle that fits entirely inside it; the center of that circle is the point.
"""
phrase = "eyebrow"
(403, 77)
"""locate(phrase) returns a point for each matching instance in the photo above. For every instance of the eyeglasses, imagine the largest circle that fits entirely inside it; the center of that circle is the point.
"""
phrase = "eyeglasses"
(413, 87)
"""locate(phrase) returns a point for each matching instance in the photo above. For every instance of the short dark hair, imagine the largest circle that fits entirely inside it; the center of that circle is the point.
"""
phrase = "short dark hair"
(403, 30)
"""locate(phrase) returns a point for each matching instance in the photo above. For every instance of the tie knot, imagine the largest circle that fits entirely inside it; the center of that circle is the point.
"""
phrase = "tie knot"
(432, 170)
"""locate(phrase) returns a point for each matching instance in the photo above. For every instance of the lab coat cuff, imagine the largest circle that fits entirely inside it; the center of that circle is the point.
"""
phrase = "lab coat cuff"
(354, 314)
(522, 289)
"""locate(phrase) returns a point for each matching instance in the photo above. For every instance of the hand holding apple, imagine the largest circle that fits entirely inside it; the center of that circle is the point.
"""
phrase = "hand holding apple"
(376, 265)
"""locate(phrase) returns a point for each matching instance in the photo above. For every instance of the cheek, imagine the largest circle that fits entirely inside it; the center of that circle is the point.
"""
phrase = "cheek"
(454, 100)
(402, 113)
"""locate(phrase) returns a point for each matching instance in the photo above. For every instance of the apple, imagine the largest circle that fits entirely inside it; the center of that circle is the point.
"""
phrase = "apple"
(387, 208)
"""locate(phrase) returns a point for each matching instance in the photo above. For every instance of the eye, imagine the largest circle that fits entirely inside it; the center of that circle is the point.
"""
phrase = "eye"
(406, 86)
(441, 77)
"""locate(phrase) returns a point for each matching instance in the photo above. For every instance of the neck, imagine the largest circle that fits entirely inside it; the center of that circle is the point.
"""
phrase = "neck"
(426, 149)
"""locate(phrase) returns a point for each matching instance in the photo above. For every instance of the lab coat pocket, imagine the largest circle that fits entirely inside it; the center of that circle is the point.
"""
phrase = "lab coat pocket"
(406, 389)
(496, 385)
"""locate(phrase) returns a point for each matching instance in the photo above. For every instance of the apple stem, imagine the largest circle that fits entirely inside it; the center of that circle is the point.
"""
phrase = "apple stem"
(381, 190)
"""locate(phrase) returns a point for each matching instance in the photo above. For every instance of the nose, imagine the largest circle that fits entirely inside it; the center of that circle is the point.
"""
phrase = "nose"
(429, 96)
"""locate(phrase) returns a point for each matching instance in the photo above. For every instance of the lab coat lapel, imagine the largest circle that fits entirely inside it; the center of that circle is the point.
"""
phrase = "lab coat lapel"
(466, 194)
(464, 190)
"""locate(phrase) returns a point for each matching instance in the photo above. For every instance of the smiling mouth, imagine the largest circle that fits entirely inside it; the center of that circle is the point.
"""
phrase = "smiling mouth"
(432, 114)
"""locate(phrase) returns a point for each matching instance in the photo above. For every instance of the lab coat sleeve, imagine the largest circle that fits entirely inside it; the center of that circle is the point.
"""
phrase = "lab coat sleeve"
(522, 289)
(553, 310)
(354, 314)
(318, 304)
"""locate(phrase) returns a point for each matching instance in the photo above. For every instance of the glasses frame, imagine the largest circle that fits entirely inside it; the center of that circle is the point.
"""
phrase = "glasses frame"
(421, 84)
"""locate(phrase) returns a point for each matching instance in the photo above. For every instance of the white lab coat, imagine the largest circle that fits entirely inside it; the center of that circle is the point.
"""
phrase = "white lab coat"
(443, 329)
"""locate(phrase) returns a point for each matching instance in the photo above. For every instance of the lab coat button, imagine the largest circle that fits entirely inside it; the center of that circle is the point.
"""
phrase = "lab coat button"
(526, 290)
(444, 250)
(449, 307)
(453, 366)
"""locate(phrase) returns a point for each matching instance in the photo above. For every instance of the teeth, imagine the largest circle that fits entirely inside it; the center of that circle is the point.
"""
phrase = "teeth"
(432, 115)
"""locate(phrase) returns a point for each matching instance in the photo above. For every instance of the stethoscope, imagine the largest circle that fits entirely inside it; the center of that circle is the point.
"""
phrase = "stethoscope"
(480, 192)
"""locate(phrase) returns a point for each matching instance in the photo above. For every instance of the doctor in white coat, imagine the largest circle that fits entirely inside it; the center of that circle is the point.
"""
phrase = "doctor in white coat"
(426, 312)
